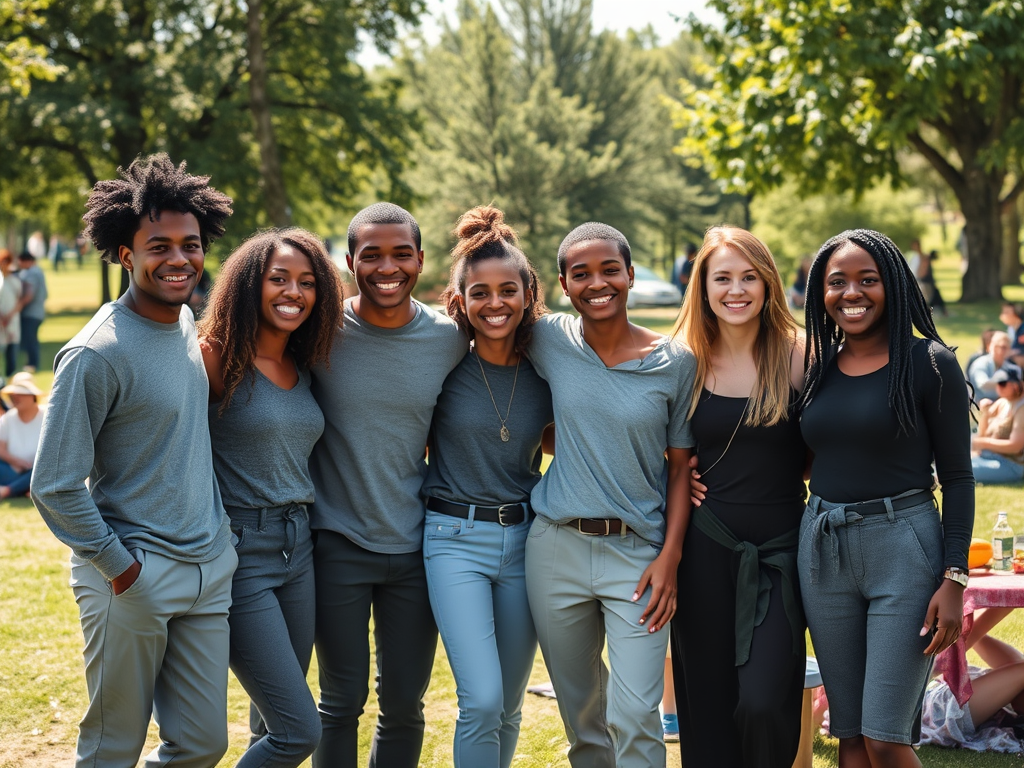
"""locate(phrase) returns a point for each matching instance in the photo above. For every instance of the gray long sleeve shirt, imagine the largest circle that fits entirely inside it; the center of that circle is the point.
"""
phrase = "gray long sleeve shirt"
(128, 411)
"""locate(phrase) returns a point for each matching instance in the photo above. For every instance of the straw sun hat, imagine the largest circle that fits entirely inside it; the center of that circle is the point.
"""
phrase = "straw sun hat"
(22, 384)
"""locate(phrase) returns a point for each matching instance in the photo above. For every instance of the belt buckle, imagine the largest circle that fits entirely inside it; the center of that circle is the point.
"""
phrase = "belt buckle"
(507, 509)
(607, 527)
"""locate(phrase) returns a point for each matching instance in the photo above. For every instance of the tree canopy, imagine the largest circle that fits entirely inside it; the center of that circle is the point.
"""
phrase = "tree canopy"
(830, 92)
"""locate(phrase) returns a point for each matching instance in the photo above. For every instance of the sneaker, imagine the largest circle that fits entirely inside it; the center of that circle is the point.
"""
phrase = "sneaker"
(670, 725)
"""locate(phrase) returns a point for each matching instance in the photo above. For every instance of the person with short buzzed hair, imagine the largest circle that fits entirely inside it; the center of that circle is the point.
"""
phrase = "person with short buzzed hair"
(152, 560)
(378, 395)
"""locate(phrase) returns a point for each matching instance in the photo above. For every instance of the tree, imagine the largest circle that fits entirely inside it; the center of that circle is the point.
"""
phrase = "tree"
(176, 76)
(830, 92)
(21, 61)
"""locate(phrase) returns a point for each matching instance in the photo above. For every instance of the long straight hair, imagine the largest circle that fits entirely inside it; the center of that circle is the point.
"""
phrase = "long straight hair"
(698, 326)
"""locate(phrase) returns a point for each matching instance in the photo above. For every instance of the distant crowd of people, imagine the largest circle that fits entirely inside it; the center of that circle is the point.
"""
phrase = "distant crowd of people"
(258, 485)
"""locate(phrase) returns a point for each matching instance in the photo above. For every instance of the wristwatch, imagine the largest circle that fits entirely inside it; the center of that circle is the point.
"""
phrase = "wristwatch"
(959, 575)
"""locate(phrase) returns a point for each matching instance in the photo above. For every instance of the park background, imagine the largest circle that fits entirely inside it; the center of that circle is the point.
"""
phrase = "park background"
(796, 120)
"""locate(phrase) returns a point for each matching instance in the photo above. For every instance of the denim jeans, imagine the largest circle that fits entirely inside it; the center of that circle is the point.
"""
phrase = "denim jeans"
(865, 600)
(17, 481)
(30, 339)
(476, 572)
(272, 618)
(350, 581)
(580, 591)
(992, 467)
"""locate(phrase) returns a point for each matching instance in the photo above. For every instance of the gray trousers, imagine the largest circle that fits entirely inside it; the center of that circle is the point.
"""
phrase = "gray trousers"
(272, 615)
(580, 590)
(160, 647)
(350, 581)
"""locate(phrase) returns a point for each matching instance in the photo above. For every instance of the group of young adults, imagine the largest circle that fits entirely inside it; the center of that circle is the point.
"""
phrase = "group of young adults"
(309, 421)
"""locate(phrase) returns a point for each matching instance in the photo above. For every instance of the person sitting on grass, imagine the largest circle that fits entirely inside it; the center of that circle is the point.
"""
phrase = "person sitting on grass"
(19, 434)
(998, 445)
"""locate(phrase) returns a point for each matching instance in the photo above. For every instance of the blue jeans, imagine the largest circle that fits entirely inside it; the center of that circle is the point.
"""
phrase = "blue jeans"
(476, 572)
(350, 581)
(273, 612)
(17, 481)
(995, 468)
(866, 583)
(30, 339)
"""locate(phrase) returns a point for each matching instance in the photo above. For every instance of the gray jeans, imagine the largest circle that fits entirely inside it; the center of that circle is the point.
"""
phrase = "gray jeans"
(272, 618)
(350, 581)
(159, 647)
(866, 583)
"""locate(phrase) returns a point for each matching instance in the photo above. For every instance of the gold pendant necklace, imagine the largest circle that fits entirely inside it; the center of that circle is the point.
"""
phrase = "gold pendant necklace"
(504, 433)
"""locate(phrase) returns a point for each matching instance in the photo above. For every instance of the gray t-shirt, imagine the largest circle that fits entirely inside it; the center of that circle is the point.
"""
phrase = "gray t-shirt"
(468, 461)
(612, 427)
(261, 443)
(34, 279)
(378, 398)
(128, 411)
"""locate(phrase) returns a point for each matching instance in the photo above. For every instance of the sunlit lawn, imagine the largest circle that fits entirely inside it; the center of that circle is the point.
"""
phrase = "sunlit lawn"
(42, 691)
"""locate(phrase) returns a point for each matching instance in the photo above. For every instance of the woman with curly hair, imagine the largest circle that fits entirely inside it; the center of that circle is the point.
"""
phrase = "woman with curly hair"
(485, 455)
(882, 576)
(272, 314)
(739, 677)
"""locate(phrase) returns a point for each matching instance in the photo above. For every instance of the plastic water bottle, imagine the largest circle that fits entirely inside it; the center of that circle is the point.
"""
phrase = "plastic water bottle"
(1002, 544)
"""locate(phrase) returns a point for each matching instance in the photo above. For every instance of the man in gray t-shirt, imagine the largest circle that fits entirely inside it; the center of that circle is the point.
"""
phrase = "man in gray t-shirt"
(31, 306)
(152, 563)
(378, 395)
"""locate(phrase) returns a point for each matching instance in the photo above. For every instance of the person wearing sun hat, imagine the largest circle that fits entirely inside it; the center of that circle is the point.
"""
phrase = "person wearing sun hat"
(19, 434)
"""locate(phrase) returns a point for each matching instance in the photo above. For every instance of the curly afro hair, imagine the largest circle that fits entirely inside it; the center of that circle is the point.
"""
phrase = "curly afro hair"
(150, 185)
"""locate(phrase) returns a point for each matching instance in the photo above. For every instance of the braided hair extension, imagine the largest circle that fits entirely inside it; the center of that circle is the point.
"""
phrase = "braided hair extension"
(905, 309)
(592, 230)
(150, 185)
(232, 317)
(381, 213)
(483, 234)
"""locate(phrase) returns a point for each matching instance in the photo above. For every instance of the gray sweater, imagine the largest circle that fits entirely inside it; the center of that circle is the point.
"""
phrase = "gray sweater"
(128, 411)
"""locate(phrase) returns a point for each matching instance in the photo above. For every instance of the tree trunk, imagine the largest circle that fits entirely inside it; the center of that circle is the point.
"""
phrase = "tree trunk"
(984, 230)
(275, 195)
(1009, 266)
(104, 281)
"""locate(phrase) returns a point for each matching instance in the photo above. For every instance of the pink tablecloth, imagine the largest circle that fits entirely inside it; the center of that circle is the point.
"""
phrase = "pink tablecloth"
(986, 589)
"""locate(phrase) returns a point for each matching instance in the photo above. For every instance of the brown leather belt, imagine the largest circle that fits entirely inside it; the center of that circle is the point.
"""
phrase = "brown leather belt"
(599, 526)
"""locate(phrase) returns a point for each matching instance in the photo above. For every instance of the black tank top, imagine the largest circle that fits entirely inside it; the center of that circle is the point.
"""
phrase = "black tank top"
(757, 487)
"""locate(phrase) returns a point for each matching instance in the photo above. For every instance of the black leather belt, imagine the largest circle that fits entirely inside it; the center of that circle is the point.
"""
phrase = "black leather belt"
(877, 506)
(506, 514)
(598, 526)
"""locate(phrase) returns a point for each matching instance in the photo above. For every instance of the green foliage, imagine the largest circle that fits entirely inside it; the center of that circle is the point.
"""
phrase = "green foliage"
(830, 92)
(525, 107)
(22, 61)
(143, 77)
(795, 227)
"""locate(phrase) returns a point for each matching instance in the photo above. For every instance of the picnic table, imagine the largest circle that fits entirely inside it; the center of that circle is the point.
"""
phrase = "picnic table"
(986, 589)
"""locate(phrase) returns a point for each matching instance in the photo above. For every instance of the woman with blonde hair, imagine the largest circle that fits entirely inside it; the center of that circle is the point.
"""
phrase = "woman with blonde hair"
(739, 679)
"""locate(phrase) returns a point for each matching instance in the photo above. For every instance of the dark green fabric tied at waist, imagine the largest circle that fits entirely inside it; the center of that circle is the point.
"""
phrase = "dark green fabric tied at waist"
(753, 586)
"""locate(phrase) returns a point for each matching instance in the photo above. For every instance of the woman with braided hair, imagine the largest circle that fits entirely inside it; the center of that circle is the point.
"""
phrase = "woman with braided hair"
(882, 577)
(273, 313)
(485, 455)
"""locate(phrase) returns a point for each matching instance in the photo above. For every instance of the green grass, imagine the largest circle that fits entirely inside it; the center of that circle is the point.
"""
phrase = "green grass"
(42, 688)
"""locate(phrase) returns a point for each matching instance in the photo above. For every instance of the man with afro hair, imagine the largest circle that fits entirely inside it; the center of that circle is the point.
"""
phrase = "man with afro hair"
(151, 563)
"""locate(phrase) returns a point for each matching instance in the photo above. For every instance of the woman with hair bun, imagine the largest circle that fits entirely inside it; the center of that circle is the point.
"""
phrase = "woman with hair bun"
(881, 574)
(272, 314)
(739, 677)
(485, 455)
